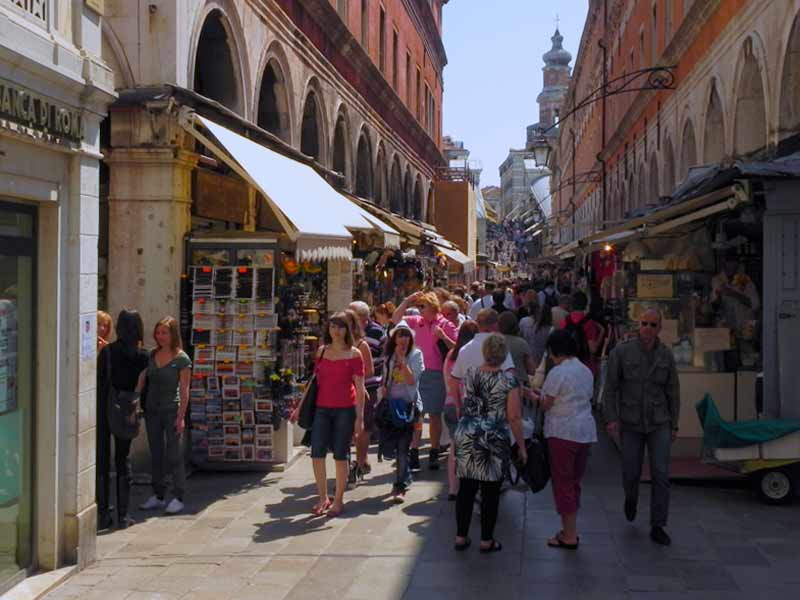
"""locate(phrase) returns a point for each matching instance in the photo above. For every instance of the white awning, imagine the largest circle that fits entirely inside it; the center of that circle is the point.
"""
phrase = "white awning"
(459, 257)
(313, 214)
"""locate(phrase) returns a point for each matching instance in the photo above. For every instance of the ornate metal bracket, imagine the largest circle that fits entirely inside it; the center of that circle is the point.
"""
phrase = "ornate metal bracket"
(652, 78)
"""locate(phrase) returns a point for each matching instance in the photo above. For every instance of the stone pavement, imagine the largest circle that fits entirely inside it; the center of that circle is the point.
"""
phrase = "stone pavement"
(249, 536)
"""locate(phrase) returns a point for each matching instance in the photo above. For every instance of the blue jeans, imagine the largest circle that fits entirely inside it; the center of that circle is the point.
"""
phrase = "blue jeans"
(659, 444)
(332, 430)
(403, 471)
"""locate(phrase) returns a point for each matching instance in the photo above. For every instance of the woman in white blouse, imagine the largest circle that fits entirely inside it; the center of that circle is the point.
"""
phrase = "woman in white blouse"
(570, 429)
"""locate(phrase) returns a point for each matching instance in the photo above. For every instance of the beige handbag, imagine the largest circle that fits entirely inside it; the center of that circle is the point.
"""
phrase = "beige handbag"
(537, 379)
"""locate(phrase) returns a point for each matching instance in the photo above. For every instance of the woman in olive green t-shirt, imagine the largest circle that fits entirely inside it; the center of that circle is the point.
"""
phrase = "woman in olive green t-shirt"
(167, 375)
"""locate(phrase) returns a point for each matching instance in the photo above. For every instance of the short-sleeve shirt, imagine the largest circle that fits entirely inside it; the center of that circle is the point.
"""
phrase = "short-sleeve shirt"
(425, 338)
(519, 349)
(570, 417)
(163, 383)
(471, 357)
(335, 381)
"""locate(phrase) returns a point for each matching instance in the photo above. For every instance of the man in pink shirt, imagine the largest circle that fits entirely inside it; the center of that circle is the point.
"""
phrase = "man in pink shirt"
(434, 335)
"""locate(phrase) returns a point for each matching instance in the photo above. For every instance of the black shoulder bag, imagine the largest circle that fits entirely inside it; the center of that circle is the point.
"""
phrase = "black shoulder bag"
(122, 418)
(308, 407)
(536, 472)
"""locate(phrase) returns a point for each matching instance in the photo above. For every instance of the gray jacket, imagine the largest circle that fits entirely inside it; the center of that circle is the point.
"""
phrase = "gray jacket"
(416, 363)
(642, 399)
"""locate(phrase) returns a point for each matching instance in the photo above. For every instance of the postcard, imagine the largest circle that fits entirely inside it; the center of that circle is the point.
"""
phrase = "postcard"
(248, 453)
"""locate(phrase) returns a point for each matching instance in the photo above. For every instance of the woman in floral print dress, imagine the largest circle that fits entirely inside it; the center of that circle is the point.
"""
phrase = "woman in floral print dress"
(490, 405)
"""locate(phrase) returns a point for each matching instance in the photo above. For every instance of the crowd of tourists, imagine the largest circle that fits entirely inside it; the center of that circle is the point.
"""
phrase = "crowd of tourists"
(471, 362)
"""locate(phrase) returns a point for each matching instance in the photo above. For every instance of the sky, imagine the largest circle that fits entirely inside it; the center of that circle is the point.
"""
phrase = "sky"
(494, 70)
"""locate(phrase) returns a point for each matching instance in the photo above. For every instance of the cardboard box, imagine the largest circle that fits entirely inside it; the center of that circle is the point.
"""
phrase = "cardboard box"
(654, 286)
(711, 339)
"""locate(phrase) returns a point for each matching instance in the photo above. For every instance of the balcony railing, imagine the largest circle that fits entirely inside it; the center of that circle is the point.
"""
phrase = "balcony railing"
(37, 9)
(457, 174)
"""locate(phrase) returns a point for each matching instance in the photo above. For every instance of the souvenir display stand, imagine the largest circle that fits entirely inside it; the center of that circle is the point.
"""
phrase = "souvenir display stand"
(230, 321)
(679, 275)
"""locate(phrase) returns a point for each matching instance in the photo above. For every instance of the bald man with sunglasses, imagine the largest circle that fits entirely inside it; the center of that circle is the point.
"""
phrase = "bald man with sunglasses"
(642, 403)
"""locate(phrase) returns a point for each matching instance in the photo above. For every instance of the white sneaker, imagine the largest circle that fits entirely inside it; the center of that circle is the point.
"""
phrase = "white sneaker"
(152, 503)
(174, 507)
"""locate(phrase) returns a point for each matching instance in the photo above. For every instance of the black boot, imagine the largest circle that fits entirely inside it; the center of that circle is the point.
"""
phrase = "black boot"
(413, 459)
(123, 502)
(433, 459)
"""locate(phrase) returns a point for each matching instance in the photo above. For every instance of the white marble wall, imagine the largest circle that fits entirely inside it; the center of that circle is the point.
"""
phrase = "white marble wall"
(60, 58)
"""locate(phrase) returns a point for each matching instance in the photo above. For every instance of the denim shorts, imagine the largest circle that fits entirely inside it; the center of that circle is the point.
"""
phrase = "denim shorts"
(433, 392)
(332, 430)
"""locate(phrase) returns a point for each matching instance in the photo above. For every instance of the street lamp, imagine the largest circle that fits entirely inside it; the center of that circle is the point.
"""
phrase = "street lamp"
(541, 150)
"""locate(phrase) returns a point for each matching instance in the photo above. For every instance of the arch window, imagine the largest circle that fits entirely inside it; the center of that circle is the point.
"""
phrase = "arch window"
(364, 174)
(750, 130)
(789, 119)
(396, 188)
(688, 149)
(273, 105)
(311, 130)
(419, 200)
(714, 135)
(214, 73)
(340, 152)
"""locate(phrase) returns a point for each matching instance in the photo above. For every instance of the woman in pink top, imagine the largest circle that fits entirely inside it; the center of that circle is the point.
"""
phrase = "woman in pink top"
(434, 335)
(340, 410)
(451, 404)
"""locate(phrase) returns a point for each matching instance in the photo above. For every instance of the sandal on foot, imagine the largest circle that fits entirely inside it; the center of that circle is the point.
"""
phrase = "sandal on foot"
(461, 547)
(321, 509)
(557, 542)
(495, 547)
(335, 512)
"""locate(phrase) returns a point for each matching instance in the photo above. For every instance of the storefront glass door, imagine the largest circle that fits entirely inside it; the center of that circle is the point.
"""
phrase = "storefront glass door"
(17, 306)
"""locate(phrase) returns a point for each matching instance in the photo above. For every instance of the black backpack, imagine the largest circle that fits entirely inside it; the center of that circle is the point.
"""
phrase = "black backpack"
(579, 335)
(550, 299)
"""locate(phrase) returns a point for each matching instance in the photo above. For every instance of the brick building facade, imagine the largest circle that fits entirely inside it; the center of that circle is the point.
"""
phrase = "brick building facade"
(736, 94)
(354, 84)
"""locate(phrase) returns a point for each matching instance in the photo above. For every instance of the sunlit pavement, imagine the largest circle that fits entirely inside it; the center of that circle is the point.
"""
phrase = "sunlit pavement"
(248, 536)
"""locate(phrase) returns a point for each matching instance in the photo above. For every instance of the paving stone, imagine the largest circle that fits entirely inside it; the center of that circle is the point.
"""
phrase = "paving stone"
(247, 536)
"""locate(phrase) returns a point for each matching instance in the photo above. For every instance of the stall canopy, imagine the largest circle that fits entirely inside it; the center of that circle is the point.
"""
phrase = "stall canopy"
(410, 232)
(451, 251)
(314, 215)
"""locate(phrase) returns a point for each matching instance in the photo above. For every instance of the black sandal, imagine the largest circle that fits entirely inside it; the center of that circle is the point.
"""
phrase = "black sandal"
(495, 547)
(461, 547)
(559, 543)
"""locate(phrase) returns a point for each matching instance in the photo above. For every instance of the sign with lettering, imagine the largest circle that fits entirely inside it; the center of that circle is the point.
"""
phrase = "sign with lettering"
(654, 286)
(51, 119)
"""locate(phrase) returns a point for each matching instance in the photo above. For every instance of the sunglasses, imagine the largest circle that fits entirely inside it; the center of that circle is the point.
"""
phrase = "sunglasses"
(652, 324)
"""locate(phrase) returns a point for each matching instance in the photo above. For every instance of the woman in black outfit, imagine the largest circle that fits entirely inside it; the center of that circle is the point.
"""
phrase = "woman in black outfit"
(128, 360)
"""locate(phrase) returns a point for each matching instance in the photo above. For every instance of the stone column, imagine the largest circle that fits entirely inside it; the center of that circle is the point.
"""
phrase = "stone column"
(149, 214)
(77, 407)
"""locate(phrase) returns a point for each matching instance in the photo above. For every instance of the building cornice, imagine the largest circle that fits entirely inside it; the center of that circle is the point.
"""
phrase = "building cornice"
(425, 21)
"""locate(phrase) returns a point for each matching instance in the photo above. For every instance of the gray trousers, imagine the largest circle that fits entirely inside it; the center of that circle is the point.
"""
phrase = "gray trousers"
(658, 444)
(165, 452)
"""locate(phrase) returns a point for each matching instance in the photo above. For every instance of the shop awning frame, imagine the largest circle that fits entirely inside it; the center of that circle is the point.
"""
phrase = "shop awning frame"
(316, 238)
(668, 212)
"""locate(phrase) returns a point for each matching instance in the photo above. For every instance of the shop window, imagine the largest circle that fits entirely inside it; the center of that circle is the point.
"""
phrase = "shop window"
(17, 309)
